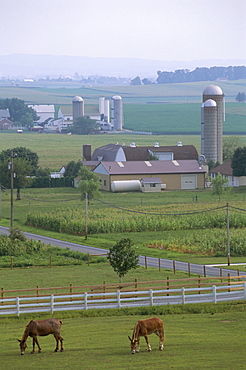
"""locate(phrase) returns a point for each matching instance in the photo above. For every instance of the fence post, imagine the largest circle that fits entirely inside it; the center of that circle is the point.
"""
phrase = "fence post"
(199, 283)
(2, 292)
(221, 274)
(204, 271)
(183, 295)
(151, 297)
(146, 265)
(159, 264)
(167, 284)
(189, 269)
(214, 294)
(18, 306)
(85, 300)
(174, 267)
(52, 303)
(229, 281)
(118, 298)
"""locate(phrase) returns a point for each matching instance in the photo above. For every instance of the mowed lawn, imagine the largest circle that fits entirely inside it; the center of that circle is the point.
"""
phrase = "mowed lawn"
(192, 342)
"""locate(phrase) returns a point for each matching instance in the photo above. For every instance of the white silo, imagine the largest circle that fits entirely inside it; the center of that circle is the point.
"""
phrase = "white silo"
(101, 104)
(213, 134)
(107, 111)
(78, 107)
(210, 130)
(117, 112)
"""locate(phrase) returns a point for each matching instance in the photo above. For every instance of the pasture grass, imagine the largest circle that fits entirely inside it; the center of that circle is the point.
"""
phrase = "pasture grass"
(198, 341)
(56, 150)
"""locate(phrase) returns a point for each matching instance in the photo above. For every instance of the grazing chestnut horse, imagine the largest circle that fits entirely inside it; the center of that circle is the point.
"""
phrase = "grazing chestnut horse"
(143, 328)
(41, 328)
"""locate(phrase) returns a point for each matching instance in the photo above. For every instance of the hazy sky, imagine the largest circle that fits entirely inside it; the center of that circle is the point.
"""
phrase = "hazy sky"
(150, 29)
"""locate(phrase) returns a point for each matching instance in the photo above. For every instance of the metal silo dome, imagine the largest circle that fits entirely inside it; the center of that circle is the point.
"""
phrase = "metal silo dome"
(77, 98)
(209, 103)
(117, 97)
(213, 90)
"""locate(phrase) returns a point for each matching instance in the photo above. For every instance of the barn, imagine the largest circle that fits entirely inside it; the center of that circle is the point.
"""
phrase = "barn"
(171, 174)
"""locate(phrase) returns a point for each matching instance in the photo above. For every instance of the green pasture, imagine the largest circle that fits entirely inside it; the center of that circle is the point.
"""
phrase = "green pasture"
(200, 341)
(56, 150)
(168, 109)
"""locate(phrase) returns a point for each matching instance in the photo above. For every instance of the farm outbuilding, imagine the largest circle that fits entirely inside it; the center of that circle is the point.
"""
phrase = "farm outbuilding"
(183, 174)
(226, 171)
(151, 184)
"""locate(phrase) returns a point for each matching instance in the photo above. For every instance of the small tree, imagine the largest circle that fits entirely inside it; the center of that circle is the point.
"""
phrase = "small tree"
(89, 183)
(218, 184)
(123, 257)
(84, 126)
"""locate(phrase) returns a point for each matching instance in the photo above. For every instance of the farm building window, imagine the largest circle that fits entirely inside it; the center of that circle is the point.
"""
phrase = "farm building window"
(104, 182)
(152, 185)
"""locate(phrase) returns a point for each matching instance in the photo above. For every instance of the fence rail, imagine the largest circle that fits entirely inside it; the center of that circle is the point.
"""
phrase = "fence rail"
(135, 285)
(119, 299)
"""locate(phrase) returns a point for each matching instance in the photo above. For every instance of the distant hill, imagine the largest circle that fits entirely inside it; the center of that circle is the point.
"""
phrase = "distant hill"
(34, 66)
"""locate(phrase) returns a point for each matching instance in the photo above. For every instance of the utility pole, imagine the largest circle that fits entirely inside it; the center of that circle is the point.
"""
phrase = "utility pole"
(228, 235)
(12, 189)
(86, 215)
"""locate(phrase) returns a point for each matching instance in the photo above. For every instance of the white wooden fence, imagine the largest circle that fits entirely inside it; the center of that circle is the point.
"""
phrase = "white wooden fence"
(118, 299)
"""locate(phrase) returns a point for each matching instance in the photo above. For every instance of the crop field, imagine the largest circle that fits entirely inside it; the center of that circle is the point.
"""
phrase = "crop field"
(168, 109)
(199, 341)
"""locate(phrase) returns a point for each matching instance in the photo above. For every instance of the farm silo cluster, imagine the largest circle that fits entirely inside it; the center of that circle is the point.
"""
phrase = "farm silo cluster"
(111, 112)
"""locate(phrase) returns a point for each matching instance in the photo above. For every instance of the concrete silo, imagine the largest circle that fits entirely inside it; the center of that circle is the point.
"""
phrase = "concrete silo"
(212, 124)
(117, 112)
(78, 107)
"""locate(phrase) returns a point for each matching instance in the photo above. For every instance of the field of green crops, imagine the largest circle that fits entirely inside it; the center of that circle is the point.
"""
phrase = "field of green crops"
(168, 109)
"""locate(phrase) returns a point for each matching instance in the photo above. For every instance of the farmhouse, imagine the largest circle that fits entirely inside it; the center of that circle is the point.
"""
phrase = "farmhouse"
(226, 170)
(169, 174)
(5, 124)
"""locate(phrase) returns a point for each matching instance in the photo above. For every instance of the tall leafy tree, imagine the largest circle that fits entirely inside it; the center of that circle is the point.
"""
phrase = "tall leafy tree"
(230, 144)
(123, 257)
(24, 153)
(89, 183)
(19, 111)
(21, 168)
(72, 168)
(238, 162)
(84, 126)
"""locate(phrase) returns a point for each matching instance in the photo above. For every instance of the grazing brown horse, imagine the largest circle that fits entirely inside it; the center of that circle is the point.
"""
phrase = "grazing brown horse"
(143, 328)
(41, 328)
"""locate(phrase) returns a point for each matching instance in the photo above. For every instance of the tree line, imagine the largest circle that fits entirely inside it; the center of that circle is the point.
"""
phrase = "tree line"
(198, 74)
